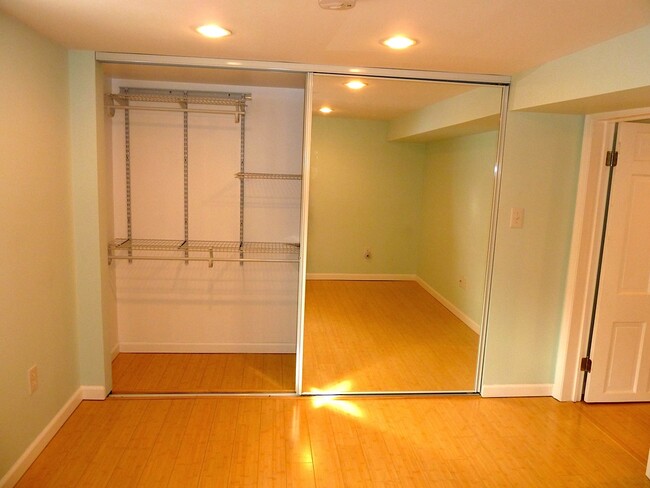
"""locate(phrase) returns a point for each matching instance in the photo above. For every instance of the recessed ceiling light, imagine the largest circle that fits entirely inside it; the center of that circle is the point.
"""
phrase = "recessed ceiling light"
(325, 110)
(356, 84)
(213, 31)
(398, 42)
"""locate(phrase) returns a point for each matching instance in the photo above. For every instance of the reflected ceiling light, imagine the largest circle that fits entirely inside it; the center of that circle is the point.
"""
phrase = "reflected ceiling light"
(356, 84)
(398, 42)
(325, 110)
(213, 31)
(234, 63)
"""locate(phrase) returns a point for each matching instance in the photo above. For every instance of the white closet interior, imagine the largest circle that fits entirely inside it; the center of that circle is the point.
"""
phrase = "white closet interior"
(206, 204)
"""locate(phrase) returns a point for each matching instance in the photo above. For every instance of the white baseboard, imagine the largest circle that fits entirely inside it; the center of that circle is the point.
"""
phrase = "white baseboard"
(449, 306)
(93, 393)
(165, 347)
(505, 391)
(360, 277)
(36, 447)
(115, 351)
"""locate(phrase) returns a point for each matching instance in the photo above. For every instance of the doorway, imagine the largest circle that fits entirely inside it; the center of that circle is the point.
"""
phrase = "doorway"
(619, 346)
(586, 243)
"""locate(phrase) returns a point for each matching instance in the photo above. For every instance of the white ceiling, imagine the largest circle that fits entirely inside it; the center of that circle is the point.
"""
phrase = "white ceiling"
(382, 99)
(472, 36)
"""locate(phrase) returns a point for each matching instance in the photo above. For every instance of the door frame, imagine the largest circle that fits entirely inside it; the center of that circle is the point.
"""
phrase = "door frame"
(585, 248)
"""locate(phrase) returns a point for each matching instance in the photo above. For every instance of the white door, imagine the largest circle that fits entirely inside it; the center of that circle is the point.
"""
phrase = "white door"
(620, 350)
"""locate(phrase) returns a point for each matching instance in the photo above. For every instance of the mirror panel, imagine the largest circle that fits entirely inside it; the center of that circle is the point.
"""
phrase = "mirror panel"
(401, 186)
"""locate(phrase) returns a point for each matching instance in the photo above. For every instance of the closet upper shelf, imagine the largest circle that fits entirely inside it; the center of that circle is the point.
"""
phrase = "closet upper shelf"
(164, 100)
(210, 251)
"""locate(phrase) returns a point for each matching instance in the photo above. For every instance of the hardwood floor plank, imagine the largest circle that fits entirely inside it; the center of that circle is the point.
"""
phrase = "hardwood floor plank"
(219, 450)
(272, 464)
(129, 468)
(46, 464)
(189, 460)
(628, 424)
(158, 468)
(246, 449)
(77, 460)
(325, 458)
(107, 456)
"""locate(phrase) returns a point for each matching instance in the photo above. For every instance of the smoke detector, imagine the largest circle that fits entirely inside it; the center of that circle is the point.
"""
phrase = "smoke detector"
(336, 4)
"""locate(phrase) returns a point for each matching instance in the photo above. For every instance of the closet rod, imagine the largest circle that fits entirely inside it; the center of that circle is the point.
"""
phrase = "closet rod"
(207, 259)
(169, 109)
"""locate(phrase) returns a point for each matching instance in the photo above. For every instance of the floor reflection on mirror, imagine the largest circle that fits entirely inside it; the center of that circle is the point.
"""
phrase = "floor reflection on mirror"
(383, 336)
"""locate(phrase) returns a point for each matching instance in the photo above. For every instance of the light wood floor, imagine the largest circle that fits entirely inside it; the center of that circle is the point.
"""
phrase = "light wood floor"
(203, 373)
(302, 442)
(384, 336)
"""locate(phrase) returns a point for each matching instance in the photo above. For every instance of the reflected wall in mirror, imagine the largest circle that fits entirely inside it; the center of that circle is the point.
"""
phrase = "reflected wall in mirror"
(402, 177)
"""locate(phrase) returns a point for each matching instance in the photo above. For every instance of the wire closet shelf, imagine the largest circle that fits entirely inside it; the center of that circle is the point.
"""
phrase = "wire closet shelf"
(187, 250)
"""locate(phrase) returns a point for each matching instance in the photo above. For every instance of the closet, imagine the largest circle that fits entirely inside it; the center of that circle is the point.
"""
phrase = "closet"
(206, 210)
(220, 175)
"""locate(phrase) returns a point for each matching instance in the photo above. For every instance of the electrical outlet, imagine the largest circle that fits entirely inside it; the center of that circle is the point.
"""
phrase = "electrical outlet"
(462, 282)
(367, 254)
(32, 375)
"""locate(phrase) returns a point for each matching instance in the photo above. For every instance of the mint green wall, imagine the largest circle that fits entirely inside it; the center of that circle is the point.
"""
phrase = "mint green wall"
(478, 108)
(617, 67)
(37, 305)
(364, 193)
(540, 171)
(455, 218)
(91, 219)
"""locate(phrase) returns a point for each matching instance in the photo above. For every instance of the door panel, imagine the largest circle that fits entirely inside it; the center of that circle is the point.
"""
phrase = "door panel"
(621, 342)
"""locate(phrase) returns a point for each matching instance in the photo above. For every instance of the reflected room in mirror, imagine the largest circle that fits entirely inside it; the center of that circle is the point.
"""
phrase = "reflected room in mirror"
(402, 176)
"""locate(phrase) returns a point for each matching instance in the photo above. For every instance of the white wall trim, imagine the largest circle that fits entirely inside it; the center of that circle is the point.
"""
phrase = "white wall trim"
(42, 439)
(361, 277)
(115, 351)
(93, 392)
(505, 391)
(170, 347)
(450, 306)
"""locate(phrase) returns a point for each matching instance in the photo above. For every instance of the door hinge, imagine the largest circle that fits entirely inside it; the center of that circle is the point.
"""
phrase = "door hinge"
(611, 159)
(585, 365)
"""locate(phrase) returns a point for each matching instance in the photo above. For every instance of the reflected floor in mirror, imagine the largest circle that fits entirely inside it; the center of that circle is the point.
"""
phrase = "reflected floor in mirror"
(379, 336)
(143, 373)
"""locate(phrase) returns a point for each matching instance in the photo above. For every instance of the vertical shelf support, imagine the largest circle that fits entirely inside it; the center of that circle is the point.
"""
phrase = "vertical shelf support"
(186, 209)
(242, 158)
(127, 144)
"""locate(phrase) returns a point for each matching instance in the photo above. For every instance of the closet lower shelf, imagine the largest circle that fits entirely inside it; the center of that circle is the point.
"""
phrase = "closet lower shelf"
(207, 251)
